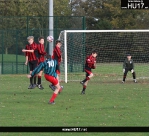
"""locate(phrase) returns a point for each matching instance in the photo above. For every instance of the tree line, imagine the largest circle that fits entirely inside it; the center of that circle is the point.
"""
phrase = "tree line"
(99, 14)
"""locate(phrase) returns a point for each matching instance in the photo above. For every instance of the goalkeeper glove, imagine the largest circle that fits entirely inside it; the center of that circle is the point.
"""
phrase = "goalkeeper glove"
(123, 70)
(132, 71)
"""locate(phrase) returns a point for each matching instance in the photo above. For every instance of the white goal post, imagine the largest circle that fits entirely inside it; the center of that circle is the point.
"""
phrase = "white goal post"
(65, 42)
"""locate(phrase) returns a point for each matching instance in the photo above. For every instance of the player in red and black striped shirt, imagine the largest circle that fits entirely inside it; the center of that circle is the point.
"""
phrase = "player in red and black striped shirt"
(41, 58)
(89, 65)
(57, 55)
(31, 53)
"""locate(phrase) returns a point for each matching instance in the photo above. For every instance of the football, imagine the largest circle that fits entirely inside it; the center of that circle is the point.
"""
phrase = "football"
(50, 38)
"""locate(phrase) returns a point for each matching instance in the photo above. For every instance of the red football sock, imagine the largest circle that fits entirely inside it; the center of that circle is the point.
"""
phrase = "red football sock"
(87, 78)
(53, 97)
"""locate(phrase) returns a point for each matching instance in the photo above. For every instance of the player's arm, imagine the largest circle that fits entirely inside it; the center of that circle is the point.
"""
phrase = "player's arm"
(56, 68)
(41, 50)
(94, 64)
(24, 50)
(33, 49)
(89, 61)
(26, 60)
(26, 56)
(36, 70)
(124, 66)
(58, 52)
(132, 65)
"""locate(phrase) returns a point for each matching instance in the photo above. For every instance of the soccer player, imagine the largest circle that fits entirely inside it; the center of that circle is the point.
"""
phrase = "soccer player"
(50, 66)
(128, 65)
(41, 58)
(57, 55)
(31, 53)
(89, 65)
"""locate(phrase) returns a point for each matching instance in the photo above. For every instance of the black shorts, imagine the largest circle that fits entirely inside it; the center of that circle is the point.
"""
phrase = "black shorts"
(58, 69)
(88, 71)
(33, 64)
(128, 69)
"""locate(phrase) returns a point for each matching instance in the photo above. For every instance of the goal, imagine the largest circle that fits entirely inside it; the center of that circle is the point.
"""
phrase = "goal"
(112, 47)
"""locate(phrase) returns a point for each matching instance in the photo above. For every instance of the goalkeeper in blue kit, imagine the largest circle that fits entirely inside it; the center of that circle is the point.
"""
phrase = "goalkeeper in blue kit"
(128, 65)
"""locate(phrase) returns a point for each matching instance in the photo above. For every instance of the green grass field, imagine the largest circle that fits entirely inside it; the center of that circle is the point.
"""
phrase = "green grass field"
(104, 104)
(107, 102)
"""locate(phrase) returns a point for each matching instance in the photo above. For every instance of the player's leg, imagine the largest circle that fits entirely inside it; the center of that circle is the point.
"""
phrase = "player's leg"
(61, 87)
(84, 84)
(31, 78)
(39, 80)
(134, 75)
(89, 75)
(53, 87)
(55, 93)
(84, 87)
(34, 63)
(55, 82)
(31, 81)
(124, 75)
(58, 75)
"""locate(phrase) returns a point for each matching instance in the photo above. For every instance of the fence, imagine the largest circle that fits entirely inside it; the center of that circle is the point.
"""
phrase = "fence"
(15, 30)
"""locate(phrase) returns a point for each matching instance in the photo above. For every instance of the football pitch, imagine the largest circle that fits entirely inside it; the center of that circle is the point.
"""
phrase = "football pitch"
(104, 104)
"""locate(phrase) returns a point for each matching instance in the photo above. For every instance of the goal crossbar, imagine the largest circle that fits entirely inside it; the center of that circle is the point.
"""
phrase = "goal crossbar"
(96, 31)
(88, 31)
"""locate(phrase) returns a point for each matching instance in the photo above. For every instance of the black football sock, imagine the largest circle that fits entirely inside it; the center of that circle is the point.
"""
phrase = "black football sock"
(124, 77)
(34, 79)
(39, 80)
(31, 80)
(84, 88)
(134, 75)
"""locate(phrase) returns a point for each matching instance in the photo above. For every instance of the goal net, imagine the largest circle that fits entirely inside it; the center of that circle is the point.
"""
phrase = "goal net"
(112, 47)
